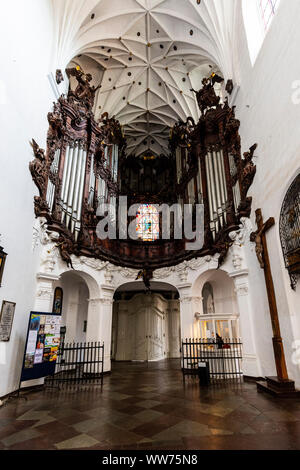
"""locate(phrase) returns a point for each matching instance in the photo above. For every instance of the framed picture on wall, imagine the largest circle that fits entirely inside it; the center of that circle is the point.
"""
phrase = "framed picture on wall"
(6, 319)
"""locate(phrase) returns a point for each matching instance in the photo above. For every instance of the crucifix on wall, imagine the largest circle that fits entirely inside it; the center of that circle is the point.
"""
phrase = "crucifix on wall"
(280, 385)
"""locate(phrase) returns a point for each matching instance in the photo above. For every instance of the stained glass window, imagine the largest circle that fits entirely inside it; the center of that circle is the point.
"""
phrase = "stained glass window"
(268, 9)
(147, 223)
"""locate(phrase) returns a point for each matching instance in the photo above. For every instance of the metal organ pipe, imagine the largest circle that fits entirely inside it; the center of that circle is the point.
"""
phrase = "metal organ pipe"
(222, 179)
(66, 165)
(72, 186)
(67, 181)
(217, 181)
(81, 185)
(92, 182)
(113, 158)
(210, 197)
(213, 192)
(178, 163)
(199, 184)
(76, 190)
(51, 186)
(116, 163)
(237, 195)
(218, 178)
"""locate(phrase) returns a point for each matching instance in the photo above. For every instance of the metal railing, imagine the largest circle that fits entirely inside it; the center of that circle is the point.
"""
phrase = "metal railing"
(223, 357)
(78, 363)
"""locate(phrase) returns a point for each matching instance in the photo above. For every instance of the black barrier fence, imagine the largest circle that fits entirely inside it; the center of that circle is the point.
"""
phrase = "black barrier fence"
(223, 359)
(78, 363)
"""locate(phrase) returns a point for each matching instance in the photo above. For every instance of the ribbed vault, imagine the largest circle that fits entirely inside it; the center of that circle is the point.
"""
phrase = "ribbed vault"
(147, 55)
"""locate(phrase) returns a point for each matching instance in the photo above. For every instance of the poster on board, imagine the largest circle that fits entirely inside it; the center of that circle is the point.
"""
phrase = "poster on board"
(42, 343)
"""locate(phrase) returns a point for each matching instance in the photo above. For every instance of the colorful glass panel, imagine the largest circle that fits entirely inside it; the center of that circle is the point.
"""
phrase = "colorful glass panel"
(147, 223)
(268, 10)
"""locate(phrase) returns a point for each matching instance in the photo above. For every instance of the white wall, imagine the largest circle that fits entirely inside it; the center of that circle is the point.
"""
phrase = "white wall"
(25, 99)
(270, 118)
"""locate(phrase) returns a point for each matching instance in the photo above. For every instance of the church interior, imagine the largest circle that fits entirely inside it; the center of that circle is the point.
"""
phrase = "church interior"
(150, 225)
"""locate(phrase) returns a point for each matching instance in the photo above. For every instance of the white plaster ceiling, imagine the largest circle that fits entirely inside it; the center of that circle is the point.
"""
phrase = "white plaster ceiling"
(147, 55)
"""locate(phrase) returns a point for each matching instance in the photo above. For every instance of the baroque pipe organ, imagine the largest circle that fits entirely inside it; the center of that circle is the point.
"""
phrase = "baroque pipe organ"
(85, 165)
(210, 169)
(78, 171)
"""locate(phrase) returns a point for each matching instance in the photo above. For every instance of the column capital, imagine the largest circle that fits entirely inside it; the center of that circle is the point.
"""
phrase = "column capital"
(240, 273)
(183, 286)
(242, 289)
(47, 277)
(102, 300)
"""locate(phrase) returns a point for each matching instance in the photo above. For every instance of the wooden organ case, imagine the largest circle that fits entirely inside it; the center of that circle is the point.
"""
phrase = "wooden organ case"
(82, 164)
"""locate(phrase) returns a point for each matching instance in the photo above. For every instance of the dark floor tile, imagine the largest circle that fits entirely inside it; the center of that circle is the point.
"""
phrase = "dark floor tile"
(228, 416)
(132, 410)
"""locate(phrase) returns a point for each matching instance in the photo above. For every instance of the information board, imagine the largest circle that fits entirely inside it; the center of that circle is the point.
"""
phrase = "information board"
(42, 343)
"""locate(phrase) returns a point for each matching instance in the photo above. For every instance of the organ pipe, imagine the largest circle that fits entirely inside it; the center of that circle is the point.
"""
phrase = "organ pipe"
(178, 163)
(67, 181)
(210, 197)
(51, 186)
(76, 191)
(71, 188)
(81, 185)
(217, 190)
(199, 184)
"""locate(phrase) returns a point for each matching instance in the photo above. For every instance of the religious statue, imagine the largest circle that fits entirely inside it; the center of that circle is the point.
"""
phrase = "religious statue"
(65, 246)
(210, 305)
(145, 274)
(38, 167)
(206, 97)
(256, 237)
(84, 92)
(59, 77)
(248, 169)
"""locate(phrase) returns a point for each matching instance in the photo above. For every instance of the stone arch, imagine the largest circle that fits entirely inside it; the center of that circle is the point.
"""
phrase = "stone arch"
(222, 285)
(78, 288)
(223, 319)
(92, 284)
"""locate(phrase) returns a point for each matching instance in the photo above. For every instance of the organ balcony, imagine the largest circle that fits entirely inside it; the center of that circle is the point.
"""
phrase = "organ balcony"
(86, 165)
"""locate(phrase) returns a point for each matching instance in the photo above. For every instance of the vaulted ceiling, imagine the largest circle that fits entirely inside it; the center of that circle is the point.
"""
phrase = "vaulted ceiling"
(147, 55)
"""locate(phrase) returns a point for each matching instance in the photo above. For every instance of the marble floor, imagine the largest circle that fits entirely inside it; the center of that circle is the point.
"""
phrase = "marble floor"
(147, 406)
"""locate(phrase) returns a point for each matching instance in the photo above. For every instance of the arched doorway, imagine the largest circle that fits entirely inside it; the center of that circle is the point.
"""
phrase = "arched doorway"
(218, 312)
(74, 306)
(146, 326)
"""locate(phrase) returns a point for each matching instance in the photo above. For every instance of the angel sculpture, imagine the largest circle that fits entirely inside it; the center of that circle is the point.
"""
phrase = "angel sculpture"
(38, 168)
(206, 97)
(65, 247)
(84, 92)
(146, 275)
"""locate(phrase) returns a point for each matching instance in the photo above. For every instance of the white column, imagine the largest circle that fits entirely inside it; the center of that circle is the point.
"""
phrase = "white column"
(251, 364)
(99, 323)
(123, 342)
(187, 313)
(71, 319)
(174, 329)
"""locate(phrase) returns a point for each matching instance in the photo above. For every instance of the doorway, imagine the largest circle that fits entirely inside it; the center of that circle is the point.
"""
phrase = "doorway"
(146, 326)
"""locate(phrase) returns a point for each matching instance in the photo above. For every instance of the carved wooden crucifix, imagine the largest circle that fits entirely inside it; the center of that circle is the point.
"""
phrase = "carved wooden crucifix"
(259, 237)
